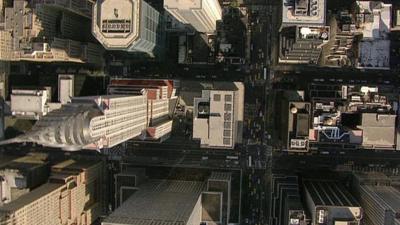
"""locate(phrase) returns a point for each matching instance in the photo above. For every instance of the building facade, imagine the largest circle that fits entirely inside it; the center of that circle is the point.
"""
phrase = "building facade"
(127, 25)
(72, 196)
(202, 15)
(381, 204)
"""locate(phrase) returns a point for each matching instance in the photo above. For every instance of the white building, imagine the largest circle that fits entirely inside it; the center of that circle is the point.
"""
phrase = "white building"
(97, 122)
(303, 12)
(218, 117)
(30, 104)
(202, 15)
(65, 88)
(128, 25)
(375, 22)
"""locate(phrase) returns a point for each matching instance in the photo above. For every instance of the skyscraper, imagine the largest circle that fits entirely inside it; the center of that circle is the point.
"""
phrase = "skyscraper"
(201, 14)
(46, 31)
(90, 123)
(128, 25)
(381, 204)
(97, 122)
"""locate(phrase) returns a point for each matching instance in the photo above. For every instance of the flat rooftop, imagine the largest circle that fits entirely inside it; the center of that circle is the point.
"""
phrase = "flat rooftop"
(303, 12)
(378, 129)
(73, 165)
(375, 20)
(160, 202)
(28, 162)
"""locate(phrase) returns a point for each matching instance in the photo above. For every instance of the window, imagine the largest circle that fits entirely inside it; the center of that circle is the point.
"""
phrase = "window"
(227, 125)
(227, 116)
(228, 107)
(227, 141)
(227, 133)
(228, 98)
(217, 97)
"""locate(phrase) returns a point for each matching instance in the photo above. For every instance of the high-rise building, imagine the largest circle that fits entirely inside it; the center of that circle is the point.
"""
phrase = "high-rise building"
(46, 31)
(128, 25)
(161, 99)
(72, 196)
(330, 203)
(163, 202)
(286, 207)
(222, 182)
(90, 123)
(202, 15)
(218, 116)
(381, 204)
(97, 122)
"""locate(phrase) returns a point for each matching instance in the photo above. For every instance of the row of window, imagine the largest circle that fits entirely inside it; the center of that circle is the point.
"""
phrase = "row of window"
(217, 98)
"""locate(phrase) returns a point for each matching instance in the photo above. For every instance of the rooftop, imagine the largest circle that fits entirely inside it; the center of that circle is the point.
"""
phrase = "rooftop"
(159, 201)
(378, 129)
(329, 193)
(374, 20)
(30, 197)
(28, 162)
(183, 4)
(303, 12)
(116, 22)
(73, 165)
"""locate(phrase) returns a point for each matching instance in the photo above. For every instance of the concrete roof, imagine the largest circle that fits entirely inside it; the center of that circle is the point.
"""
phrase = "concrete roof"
(375, 46)
(112, 15)
(378, 129)
(288, 16)
(159, 202)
